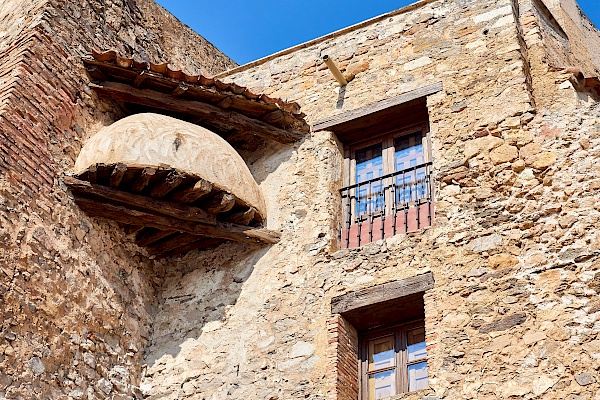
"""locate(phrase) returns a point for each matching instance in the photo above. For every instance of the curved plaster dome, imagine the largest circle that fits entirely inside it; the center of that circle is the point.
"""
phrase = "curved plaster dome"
(153, 140)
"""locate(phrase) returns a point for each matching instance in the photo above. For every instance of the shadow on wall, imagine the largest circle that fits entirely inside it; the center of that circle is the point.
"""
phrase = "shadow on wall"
(266, 158)
(195, 296)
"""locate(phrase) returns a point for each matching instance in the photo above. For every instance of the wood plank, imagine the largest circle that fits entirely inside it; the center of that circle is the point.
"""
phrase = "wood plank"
(194, 192)
(381, 293)
(175, 242)
(117, 175)
(163, 101)
(93, 173)
(242, 218)
(199, 244)
(223, 230)
(151, 235)
(140, 79)
(221, 202)
(172, 180)
(347, 116)
(140, 183)
(169, 208)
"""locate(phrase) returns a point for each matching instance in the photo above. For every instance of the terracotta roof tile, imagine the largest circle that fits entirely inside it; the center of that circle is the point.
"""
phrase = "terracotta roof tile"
(163, 69)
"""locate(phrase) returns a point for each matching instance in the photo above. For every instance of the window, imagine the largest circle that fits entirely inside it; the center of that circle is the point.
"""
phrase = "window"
(387, 166)
(394, 163)
(389, 186)
(393, 361)
(378, 340)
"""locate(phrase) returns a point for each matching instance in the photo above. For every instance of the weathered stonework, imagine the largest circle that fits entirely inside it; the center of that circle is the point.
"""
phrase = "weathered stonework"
(501, 321)
(513, 250)
(77, 297)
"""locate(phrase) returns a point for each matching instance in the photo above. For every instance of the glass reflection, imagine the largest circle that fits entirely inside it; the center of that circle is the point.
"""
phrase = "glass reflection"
(416, 344)
(382, 385)
(417, 377)
(381, 353)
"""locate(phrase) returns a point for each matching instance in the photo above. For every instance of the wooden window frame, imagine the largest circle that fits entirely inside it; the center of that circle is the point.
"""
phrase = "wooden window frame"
(399, 332)
(387, 139)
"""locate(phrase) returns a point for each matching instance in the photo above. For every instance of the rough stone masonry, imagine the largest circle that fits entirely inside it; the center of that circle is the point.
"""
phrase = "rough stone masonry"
(514, 249)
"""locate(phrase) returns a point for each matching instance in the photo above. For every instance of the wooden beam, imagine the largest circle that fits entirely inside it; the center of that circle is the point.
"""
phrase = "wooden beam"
(194, 192)
(117, 175)
(151, 235)
(222, 230)
(140, 79)
(180, 90)
(221, 202)
(93, 173)
(96, 73)
(140, 184)
(168, 184)
(169, 208)
(347, 116)
(175, 242)
(242, 218)
(198, 244)
(381, 293)
(163, 101)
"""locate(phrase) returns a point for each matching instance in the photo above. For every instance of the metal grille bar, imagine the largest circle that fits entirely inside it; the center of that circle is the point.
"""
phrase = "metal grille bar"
(388, 195)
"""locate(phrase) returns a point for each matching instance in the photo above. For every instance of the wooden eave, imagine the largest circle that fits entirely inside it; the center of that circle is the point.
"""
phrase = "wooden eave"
(593, 84)
(395, 111)
(169, 212)
(225, 108)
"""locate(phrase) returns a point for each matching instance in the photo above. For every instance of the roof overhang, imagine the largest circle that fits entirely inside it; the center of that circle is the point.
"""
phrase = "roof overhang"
(227, 109)
(174, 184)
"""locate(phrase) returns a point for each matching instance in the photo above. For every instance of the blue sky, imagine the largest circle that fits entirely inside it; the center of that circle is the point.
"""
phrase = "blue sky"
(246, 30)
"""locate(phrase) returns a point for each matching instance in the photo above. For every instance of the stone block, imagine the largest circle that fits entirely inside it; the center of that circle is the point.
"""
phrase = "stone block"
(504, 153)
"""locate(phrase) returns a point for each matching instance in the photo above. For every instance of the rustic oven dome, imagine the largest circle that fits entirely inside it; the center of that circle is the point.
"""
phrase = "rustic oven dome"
(153, 140)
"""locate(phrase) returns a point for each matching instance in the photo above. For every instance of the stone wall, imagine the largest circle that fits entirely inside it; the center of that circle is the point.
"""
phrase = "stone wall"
(76, 294)
(513, 252)
(583, 40)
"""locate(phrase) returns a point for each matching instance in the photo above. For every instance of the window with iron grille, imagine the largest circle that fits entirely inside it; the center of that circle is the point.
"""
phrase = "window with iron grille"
(389, 185)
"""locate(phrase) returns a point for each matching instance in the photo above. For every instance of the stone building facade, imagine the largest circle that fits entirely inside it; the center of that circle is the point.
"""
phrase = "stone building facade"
(504, 276)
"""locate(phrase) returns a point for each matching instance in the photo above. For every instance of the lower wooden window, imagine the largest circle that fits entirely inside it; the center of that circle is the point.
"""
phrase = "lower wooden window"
(393, 361)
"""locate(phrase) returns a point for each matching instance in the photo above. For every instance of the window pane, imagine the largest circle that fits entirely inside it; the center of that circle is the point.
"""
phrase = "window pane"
(408, 151)
(416, 344)
(369, 163)
(417, 377)
(381, 353)
(382, 385)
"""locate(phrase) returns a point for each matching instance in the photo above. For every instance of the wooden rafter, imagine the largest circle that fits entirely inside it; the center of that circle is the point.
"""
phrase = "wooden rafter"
(192, 193)
(169, 208)
(221, 230)
(117, 175)
(225, 119)
(150, 235)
